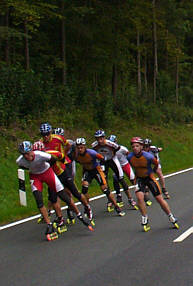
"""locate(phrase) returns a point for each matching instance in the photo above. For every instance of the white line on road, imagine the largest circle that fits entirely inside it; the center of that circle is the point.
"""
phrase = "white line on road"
(92, 199)
(184, 235)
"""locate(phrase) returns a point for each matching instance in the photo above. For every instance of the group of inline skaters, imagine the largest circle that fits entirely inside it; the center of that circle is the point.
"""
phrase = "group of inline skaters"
(51, 160)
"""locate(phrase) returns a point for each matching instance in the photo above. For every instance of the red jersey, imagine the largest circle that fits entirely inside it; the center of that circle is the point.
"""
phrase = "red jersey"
(57, 143)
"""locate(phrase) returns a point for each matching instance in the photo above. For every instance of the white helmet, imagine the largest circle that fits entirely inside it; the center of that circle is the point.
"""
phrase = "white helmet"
(80, 141)
(58, 131)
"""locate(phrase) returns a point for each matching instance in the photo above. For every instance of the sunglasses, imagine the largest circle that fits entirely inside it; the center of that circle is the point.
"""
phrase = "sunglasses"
(45, 134)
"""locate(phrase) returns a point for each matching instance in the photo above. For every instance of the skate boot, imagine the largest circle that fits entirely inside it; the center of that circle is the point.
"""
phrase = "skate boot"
(110, 207)
(165, 194)
(133, 204)
(174, 220)
(88, 212)
(41, 218)
(70, 217)
(50, 233)
(119, 211)
(59, 225)
(85, 222)
(120, 201)
(145, 224)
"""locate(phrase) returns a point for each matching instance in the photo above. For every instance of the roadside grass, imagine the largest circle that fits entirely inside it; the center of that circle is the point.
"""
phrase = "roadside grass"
(177, 154)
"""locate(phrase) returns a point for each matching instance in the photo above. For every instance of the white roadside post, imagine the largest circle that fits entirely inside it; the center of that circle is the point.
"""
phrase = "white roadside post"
(22, 192)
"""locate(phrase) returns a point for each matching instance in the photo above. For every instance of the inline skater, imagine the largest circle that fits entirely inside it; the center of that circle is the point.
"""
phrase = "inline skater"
(71, 166)
(142, 163)
(155, 151)
(108, 149)
(58, 142)
(38, 164)
(122, 157)
(89, 158)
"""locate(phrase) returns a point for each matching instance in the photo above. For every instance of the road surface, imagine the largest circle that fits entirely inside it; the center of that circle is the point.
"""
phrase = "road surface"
(117, 253)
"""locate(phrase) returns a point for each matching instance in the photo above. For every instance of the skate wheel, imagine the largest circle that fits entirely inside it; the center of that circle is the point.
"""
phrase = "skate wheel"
(54, 224)
(69, 221)
(52, 236)
(149, 203)
(62, 229)
(176, 225)
(110, 209)
(48, 237)
(92, 222)
(90, 228)
(136, 207)
(121, 213)
(40, 220)
(146, 227)
(120, 204)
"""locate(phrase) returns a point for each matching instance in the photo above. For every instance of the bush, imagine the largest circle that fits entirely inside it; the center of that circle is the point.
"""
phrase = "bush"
(22, 94)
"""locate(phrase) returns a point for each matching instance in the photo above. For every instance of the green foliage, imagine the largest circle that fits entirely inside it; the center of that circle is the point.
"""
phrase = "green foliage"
(22, 94)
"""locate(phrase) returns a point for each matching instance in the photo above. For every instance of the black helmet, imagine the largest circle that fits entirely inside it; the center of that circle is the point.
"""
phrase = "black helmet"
(147, 142)
(100, 133)
(45, 128)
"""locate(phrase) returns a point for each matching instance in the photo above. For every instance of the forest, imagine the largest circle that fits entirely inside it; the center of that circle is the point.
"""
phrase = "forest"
(101, 58)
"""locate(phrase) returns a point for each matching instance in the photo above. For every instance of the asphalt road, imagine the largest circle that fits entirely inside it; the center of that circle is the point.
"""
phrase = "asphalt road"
(117, 253)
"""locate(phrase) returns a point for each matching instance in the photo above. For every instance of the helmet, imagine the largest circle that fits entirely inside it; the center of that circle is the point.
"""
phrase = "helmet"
(38, 146)
(45, 128)
(112, 138)
(100, 133)
(136, 140)
(80, 141)
(147, 141)
(59, 131)
(25, 147)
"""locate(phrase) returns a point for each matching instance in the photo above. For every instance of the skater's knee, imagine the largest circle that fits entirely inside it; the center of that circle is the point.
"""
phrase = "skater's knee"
(53, 197)
(64, 197)
(106, 192)
(84, 189)
(124, 184)
(39, 199)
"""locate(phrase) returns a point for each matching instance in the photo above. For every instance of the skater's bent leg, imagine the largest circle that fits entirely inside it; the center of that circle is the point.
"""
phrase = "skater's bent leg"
(57, 209)
(44, 213)
(55, 201)
(85, 186)
(111, 198)
(72, 187)
(164, 205)
(116, 185)
(39, 201)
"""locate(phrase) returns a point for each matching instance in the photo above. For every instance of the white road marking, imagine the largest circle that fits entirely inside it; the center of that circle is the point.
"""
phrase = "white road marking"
(184, 235)
(78, 203)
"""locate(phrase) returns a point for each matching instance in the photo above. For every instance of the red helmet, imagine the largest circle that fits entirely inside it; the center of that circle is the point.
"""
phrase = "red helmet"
(137, 140)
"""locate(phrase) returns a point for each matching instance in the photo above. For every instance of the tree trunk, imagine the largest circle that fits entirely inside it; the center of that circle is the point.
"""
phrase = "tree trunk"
(114, 82)
(145, 72)
(155, 52)
(27, 60)
(7, 46)
(63, 45)
(177, 79)
(138, 65)
(167, 50)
